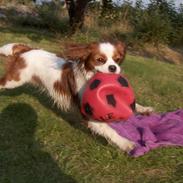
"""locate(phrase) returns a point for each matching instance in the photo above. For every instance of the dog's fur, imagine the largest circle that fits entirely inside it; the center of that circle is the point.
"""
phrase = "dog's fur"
(65, 77)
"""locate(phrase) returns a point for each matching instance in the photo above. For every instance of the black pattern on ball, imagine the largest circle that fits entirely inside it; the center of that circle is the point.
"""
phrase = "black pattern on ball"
(123, 81)
(95, 84)
(132, 105)
(110, 115)
(111, 100)
(88, 109)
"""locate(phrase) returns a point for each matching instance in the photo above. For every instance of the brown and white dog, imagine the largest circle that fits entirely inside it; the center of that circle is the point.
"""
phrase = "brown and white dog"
(65, 77)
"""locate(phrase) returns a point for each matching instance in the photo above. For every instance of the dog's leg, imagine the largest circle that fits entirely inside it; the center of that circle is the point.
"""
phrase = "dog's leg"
(106, 131)
(143, 110)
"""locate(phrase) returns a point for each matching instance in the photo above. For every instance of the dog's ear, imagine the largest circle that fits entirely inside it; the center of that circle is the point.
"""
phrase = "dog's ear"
(77, 52)
(20, 48)
(121, 48)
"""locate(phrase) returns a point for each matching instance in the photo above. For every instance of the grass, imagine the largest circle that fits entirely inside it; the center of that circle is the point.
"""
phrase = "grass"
(40, 144)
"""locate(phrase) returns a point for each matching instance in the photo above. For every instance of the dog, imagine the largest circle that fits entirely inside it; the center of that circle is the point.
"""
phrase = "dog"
(64, 77)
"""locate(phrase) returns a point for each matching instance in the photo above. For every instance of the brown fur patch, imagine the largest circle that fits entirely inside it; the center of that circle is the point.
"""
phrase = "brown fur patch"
(96, 58)
(13, 67)
(67, 85)
(20, 48)
(2, 81)
(81, 53)
(61, 55)
(2, 55)
(117, 57)
(76, 52)
(120, 51)
(58, 86)
(36, 80)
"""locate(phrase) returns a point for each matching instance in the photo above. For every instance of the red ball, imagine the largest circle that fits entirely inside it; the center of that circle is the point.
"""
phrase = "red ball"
(108, 97)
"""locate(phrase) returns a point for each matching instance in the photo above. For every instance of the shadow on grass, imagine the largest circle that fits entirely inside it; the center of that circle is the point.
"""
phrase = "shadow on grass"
(21, 158)
(73, 117)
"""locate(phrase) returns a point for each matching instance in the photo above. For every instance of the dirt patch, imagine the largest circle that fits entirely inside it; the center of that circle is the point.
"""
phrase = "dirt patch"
(155, 172)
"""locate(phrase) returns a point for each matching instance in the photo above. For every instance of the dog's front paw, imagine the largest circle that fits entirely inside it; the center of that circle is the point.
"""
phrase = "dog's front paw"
(127, 146)
(144, 110)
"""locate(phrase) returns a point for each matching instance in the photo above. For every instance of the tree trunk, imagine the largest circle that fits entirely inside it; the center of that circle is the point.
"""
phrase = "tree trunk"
(106, 6)
(70, 4)
(76, 11)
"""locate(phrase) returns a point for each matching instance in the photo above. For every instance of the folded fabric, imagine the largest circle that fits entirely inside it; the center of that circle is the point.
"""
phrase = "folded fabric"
(150, 132)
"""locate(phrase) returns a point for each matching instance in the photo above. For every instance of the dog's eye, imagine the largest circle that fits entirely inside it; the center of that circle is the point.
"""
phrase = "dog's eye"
(117, 60)
(100, 60)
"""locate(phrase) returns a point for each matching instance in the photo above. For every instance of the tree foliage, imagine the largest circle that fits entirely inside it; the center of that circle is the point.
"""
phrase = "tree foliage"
(159, 22)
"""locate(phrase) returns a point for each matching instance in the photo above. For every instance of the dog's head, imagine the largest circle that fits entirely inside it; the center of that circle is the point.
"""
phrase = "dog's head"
(98, 57)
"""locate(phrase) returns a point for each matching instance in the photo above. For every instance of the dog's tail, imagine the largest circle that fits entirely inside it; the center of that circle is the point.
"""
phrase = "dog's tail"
(12, 49)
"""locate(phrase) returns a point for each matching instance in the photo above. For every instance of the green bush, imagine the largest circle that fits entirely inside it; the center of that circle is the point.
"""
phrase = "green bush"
(177, 33)
(153, 28)
(52, 18)
(150, 24)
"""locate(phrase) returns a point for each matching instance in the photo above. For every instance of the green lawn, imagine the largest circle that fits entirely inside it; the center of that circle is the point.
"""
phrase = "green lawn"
(39, 144)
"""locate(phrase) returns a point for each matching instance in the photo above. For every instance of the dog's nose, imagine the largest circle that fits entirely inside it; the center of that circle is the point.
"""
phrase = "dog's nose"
(112, 68)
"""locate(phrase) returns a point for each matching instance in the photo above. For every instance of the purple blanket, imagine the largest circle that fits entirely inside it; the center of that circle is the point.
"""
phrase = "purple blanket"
(149, 132)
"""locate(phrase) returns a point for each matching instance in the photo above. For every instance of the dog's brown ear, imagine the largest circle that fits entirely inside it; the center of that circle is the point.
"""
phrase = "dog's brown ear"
(77, 52)
(121, 48)
(20, 48)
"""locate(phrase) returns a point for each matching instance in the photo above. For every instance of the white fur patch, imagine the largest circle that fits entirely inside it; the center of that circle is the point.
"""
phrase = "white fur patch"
(7, 49)
(143, 110)
(107, 49)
